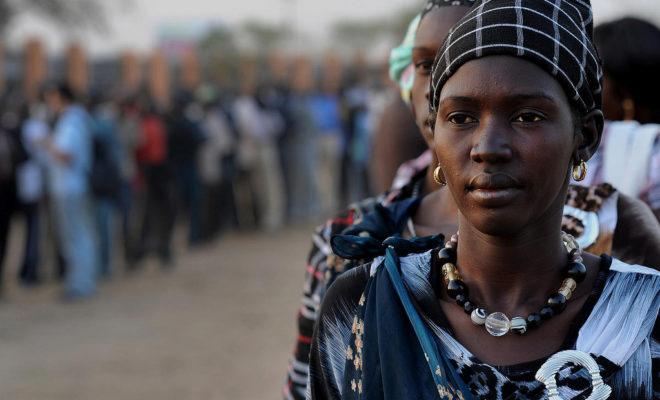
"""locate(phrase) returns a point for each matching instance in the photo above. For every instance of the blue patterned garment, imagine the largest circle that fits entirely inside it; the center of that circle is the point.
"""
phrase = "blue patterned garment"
(365, 346)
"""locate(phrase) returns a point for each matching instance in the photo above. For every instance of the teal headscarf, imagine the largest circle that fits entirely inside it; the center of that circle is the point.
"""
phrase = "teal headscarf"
(402, 70)
(401, 66)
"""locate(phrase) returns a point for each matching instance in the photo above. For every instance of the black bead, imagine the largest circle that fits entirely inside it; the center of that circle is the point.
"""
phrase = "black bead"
(546, 313)
(461, 299)
(557, 302)
(456, 287)
(468, 307)
(534, 320)
(577, 271)
(447, 255)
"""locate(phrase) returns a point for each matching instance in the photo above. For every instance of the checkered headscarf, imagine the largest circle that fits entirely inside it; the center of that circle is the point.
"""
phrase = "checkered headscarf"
(556, 35)
(431, 4)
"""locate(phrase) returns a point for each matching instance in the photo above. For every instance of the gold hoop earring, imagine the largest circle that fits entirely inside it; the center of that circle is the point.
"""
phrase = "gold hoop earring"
(580, 171)
(438, 176)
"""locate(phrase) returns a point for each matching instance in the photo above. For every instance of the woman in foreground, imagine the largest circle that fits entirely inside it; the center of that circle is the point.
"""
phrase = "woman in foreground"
(511, 307)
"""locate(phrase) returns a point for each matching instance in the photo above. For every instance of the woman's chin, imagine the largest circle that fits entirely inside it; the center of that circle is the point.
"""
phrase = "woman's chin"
(499, 222)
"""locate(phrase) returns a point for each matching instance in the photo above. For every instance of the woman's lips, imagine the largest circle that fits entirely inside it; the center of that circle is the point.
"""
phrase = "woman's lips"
(494, 197)
(493, 189)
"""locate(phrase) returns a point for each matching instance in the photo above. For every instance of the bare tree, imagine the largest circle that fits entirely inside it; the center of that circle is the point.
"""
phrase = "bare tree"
(265, 36)
(219, 53)
(68, 14)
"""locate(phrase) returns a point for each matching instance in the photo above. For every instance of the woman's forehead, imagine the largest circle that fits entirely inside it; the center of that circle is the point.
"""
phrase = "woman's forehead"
(435, 26)
(502, 76)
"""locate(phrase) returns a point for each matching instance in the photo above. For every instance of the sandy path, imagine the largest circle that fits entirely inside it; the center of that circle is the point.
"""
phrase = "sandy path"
(219, 326)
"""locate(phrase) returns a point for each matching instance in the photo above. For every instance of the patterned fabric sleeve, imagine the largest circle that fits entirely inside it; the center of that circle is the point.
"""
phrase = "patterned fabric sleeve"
(322, 268)
(321, 263)
(333, 333)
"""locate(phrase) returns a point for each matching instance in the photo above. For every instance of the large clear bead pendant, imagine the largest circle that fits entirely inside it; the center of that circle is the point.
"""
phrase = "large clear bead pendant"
(498, 324)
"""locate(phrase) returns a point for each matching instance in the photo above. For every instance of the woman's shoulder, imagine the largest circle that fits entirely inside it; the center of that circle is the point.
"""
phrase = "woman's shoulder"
(624, 270)
(343, 295)
(634, 288)
(630, 285)
(625, 314)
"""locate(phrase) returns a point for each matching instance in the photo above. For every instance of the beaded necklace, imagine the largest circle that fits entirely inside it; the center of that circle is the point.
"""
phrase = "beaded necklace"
(497, 323)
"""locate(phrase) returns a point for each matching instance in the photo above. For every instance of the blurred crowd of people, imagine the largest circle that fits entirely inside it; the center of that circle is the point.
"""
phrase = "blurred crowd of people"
(96, 176)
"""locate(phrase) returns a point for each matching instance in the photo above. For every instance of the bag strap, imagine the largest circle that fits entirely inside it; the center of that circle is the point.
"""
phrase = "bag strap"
(438, 365)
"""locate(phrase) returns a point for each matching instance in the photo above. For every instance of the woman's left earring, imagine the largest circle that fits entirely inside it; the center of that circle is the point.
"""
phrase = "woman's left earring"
(580, 171)
(439, 176)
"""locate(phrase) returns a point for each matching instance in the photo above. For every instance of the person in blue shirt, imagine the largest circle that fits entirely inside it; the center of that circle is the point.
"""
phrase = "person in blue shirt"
(70, 162)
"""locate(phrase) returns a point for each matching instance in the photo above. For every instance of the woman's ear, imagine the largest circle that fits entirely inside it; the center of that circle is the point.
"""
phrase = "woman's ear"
(591, 130)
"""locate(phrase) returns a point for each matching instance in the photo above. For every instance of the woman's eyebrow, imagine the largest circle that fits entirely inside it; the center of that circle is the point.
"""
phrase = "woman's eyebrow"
(458, 99)
(533, 96)
(512, 96)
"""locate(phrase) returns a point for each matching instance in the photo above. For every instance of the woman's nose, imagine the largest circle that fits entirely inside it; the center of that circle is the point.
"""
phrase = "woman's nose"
(492, 143)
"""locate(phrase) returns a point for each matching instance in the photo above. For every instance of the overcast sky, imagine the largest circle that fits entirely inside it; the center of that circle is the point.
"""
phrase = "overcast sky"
(136, 27)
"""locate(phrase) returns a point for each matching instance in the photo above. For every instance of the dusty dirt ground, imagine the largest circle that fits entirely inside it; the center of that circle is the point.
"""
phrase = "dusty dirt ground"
(220, 325)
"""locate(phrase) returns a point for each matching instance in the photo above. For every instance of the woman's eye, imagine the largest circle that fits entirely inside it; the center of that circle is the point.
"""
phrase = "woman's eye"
(424, 66)
(460, 119)
(529, 117)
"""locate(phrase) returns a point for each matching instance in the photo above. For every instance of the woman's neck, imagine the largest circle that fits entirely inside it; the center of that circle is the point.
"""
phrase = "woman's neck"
(430, 185)
(513, 275)
(437, 213)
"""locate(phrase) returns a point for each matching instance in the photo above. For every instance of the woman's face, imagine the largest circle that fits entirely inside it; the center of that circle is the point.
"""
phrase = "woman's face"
(505, 139)
(431, 32)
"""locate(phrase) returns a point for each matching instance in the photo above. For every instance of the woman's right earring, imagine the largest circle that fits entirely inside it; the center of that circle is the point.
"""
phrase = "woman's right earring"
(580, 171)
(439, 176)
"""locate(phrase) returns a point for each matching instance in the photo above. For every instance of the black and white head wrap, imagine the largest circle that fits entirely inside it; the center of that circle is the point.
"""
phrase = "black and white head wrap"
(431, 4)
(556, 35)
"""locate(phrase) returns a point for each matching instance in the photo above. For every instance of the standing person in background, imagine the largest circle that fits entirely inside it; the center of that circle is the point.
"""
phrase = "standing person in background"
(244, 111)
(157, 222)
(229, 164)
(11, 155)
(355, 182)
(303, 155)
(259, 126)
(106, 179)
(184, 138)
(70, 162)
(279, 89)
(629, 157)
(326, 109)
(31, 185)
(218, 147)
(129, 132)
